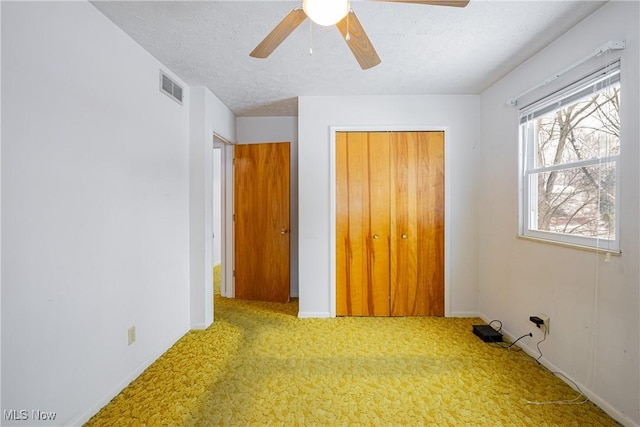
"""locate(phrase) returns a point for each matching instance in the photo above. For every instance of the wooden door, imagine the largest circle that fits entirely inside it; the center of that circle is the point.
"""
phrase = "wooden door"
(417, 224)
(362, 224)
(261, 205)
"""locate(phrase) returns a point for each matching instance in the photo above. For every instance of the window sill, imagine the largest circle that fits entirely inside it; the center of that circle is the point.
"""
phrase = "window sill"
(572, 245)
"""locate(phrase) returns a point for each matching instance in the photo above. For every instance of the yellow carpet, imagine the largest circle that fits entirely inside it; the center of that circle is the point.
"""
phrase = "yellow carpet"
(258, 364)
(217, 279)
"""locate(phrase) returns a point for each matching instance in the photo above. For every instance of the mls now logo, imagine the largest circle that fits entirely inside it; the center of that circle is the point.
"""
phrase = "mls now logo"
(24, 415)
(16, 415)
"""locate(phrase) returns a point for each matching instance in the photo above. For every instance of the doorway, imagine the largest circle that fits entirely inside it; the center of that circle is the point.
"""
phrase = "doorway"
(217, 235)
(221, 233)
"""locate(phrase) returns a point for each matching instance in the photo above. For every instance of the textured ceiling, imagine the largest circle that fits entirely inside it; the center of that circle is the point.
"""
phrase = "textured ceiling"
(424, 49)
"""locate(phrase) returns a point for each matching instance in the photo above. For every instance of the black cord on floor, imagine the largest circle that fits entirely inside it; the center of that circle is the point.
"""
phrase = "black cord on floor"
(508, 346)
(525, 335)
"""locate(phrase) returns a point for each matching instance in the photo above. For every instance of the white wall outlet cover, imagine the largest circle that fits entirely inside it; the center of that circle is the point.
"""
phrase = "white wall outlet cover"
(132, 335)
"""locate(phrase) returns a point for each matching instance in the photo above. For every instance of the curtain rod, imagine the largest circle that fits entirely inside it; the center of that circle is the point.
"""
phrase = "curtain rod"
(610, 45)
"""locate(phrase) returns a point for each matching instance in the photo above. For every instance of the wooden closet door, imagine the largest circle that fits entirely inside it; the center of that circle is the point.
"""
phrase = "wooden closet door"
(417, 224)
(362, 224)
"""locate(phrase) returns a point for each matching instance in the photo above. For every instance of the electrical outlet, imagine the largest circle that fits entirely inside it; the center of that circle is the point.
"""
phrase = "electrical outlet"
(545, 321)
(541, 319)
(132, 334)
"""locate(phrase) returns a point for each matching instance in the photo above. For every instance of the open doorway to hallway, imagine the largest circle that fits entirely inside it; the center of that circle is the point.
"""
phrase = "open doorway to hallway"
(217, 246)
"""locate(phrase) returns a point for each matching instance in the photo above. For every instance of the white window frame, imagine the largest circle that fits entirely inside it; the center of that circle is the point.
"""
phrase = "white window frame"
(528, 189)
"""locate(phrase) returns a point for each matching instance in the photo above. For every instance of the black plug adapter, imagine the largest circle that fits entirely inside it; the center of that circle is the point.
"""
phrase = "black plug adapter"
(535, 319)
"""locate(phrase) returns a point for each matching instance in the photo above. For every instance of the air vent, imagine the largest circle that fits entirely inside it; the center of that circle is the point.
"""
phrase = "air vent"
(170, 88)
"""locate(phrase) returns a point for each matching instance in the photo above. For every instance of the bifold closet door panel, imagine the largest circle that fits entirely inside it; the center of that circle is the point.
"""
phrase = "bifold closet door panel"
(378, 216)
(417, 224)
(362, 224)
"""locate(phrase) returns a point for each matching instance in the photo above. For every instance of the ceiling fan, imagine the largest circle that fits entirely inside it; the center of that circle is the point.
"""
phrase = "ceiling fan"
(338, 13)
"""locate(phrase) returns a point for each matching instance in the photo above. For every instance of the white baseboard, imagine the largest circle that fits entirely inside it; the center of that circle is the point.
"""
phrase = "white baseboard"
(199, 326)
(82, 419)
(313, 314)
(463, 314)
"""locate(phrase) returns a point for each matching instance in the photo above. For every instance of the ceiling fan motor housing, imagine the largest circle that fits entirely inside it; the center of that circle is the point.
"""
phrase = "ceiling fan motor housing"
(326, 12)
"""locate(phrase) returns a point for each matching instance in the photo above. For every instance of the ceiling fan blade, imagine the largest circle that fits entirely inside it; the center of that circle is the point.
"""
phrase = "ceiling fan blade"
(358, 41)
(279, 33)
(454, 3)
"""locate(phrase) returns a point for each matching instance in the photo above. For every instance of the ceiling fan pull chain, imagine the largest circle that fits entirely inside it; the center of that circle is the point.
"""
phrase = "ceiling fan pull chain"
(310, 37)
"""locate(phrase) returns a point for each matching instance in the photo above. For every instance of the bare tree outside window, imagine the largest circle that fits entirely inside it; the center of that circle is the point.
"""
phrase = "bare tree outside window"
(569, 153)
(577, 148)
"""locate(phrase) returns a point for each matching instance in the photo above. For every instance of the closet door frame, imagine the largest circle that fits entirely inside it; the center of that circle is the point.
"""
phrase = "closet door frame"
(332, 202)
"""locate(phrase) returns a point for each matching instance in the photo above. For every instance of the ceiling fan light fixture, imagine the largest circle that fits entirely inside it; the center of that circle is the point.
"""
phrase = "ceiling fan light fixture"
(326, 12)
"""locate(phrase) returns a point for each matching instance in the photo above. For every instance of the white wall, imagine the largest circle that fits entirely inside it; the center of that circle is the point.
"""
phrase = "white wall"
(95, 188)
(0, 206)
(459, 115)
(253, 130)
(592, 339)
(208, 116)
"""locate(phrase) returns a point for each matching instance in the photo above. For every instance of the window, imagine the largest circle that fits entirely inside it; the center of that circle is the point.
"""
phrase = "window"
(570, 150)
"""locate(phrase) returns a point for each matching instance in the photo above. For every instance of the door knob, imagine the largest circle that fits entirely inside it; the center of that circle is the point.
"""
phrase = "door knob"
(404, 236)
(375, 236)
(284, 231)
